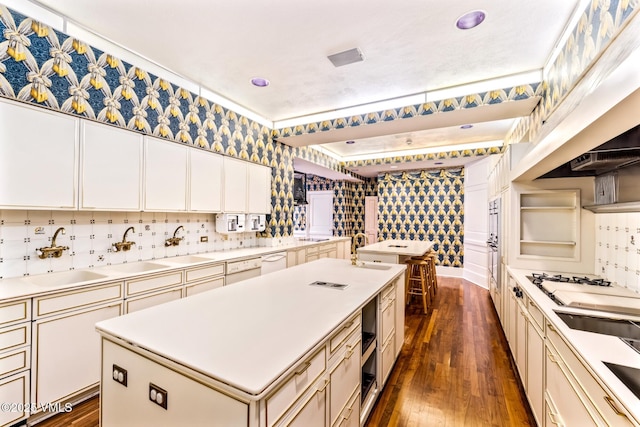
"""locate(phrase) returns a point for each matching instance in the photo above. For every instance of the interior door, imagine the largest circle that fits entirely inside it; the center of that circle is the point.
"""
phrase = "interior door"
(320, 213)
(371, 218)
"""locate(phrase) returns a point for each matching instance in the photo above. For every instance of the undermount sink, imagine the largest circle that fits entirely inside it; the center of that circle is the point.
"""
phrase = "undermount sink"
(601, 325)
(374, 266)
(188, 259)
(64, 278)
(136, 267)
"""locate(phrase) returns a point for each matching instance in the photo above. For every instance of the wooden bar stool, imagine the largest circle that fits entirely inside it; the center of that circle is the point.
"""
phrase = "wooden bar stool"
(416, 281)
(432, 278)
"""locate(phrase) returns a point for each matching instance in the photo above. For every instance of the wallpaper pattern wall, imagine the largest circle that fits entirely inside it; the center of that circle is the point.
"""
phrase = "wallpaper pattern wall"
(425, 205)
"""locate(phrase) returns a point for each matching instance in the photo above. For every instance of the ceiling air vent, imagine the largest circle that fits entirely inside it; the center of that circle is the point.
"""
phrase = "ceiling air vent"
(347, 57)
(605, 160)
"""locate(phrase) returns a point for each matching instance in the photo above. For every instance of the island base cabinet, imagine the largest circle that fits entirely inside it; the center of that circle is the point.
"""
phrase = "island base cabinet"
(66, 351)
(311, 410)
(187, 402)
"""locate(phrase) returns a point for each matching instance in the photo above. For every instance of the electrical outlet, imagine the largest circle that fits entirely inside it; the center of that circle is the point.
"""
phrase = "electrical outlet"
(119, 375)
(158, 395)
(204, 239)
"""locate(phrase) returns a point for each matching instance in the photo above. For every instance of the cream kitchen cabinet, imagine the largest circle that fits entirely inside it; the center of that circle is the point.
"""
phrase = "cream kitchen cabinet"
(66, 349)
(400, 307)
(344, 371)
(154, 298)
(110, 168)
(38, 164)
(205, 181)
(203, 278)
(235, 185)
(15, 361)
(296, 257)
(535, 368)
(344, 250)
(259, 189)
(165, 175)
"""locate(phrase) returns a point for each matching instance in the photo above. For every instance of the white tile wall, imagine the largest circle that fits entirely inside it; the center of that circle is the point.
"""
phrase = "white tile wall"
(618, 248)
(90, 236)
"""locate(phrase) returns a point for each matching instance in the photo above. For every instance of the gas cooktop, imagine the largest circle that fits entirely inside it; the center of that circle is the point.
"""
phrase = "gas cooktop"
(588, 292)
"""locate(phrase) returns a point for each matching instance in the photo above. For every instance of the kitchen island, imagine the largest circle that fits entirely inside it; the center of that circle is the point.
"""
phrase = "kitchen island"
(394, 251)
(302, 346)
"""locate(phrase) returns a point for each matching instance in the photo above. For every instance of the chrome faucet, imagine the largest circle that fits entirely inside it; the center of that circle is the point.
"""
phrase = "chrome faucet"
(354, 253)
(174, 241)
(53, 250)
(124, 245)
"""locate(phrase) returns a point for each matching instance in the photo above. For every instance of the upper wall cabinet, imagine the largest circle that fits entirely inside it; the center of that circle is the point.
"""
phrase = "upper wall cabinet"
(111, 168)
(38, 158)
(235, 185)
(205, 178)
(165, 175)
(259, 189)
(247, 187)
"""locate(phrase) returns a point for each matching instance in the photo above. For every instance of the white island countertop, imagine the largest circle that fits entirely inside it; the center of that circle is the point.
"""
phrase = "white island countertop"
(248, 334)
(398, 247)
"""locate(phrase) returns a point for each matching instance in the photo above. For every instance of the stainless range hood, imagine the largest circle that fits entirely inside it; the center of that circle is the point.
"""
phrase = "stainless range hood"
(606, 160)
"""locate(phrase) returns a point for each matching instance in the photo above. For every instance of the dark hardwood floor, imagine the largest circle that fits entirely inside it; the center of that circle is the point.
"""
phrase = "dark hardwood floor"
(454, 370)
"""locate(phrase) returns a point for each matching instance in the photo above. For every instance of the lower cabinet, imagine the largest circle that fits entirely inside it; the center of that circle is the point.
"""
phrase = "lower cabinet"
(311, 410)
(149, 300)
(14, 390)
(66, 352)
(535, 368)
(181, 401)
(344, 376)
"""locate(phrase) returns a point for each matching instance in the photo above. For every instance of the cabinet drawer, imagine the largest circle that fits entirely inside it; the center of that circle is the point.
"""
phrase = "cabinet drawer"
(15, 312)
(14, 389)
(205, 285)
(139, 286)
(15, 336)
(340, 337)
(313, 250)
(387, 293)
(204, 272)
(536, 314)
(77, 299)
(345, 376)
(310, 411)
(333, 247)
(305, 374)
(388, 318)
(390, 259)
(149, 300)
(14, 361)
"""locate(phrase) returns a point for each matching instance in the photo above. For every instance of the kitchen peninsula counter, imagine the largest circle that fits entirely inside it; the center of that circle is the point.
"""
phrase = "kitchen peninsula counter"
(394, 251)
(243, 339)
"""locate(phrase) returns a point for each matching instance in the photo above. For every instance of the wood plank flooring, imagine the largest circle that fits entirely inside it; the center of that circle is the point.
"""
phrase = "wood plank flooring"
(454, 370)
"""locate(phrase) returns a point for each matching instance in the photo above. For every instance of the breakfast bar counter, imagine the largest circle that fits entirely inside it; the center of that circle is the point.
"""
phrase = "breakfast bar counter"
(394, 251)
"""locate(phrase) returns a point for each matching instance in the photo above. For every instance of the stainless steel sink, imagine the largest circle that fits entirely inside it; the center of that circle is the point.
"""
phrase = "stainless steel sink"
(621, 328)
(64, 278)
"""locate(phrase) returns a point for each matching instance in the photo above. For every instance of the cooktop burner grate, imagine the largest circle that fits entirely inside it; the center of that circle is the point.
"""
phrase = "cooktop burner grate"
(538, 278)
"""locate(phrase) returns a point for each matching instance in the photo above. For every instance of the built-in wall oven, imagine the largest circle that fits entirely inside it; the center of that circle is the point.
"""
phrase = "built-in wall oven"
(493, 242)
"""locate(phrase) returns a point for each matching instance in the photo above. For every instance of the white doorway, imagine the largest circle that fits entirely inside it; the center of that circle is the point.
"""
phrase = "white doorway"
(320, 213)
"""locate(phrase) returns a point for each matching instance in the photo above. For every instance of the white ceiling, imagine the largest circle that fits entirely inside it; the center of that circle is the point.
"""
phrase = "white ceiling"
(409, 47)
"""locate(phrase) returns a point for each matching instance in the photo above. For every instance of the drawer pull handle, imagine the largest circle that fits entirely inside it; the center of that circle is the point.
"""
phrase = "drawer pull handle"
(614, 407)
(554, 420)
(324, 386)
(550, 327)
(553, 358)
(304, 369)
(349, 352)
(348, 325)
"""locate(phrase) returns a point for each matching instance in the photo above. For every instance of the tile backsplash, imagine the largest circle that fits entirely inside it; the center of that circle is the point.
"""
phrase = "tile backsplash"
(90, 236)
(618, 248)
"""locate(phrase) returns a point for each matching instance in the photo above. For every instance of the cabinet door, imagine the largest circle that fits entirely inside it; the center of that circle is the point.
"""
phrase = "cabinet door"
(38, 158)
(14, 389)
(110, 168)
(312, 413)
(147, 301)
(165, 177)
(259, 189)
(399, 340)
(535, 370)
(521, 342)
(205, 178)
(66, 353)
(235, 185)
(344, 379)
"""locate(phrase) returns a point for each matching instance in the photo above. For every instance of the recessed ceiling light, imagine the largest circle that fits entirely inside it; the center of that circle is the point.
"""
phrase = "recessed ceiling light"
(259, 82)
(393, 167)
(350, 142)
(438, 163)
(470, 20)
(466, 126)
